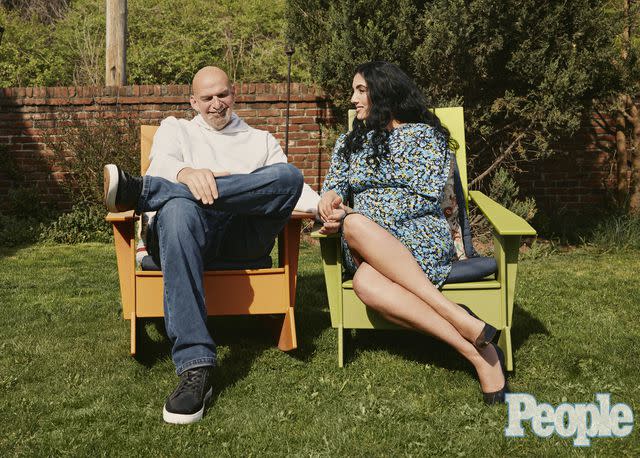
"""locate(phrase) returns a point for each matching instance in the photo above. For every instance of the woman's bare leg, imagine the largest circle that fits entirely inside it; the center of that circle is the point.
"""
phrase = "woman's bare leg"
(404, 308)
(393, 260)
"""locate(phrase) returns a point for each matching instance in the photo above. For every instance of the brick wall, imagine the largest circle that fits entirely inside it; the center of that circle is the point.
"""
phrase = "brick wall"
(579, 179)
(32, 120)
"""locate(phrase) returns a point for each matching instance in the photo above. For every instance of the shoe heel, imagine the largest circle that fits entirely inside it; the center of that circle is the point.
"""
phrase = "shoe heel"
(497, 397)
(488, 335)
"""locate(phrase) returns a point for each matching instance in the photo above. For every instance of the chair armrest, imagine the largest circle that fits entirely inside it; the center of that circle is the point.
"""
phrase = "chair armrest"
(505, 222)
(121, 217)
(302, 215)
(315, 233)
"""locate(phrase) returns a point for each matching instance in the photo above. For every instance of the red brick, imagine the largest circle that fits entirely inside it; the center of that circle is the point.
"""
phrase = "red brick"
(309, 127)
(307, 143)
(145, 90)
(302, 120)
(299, 149)
(81, 101)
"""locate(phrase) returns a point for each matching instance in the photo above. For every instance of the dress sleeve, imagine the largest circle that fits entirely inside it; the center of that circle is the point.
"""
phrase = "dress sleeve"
(432, 157)
(337, 178)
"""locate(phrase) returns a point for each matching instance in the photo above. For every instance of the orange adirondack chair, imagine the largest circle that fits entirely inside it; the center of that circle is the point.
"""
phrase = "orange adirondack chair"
(269, 291)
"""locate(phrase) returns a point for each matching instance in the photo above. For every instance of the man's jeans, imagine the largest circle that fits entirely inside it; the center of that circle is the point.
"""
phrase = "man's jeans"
(185, 235)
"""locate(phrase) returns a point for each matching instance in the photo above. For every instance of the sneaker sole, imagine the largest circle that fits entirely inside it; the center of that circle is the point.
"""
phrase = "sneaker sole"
(110, 187)
(185, 419)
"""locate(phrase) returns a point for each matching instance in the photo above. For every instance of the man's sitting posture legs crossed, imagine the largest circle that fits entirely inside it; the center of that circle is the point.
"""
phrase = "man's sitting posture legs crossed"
(222, 191)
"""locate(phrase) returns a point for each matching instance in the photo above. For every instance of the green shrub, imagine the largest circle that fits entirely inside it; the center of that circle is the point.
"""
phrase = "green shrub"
(23, 214)
(24, 202)
(616, 233)
(81, 224)
(18, 230)
(85, 149)
(504, 190)
(521, 90)
(165, 44)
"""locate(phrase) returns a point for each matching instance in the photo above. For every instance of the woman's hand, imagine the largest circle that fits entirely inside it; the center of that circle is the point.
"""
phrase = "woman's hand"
(326, 204)
(334, 220)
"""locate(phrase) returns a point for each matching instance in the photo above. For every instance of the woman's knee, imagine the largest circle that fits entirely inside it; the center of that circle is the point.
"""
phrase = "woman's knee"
(365, 285)
(354, 228)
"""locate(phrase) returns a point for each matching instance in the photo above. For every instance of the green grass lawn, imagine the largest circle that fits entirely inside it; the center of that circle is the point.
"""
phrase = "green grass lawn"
(69, 387)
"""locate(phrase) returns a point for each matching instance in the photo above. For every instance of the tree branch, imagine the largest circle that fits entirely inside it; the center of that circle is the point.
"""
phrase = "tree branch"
(497, 162)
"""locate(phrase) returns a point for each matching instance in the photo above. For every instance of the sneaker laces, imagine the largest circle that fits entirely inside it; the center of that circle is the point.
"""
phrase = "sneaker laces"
(191, 382)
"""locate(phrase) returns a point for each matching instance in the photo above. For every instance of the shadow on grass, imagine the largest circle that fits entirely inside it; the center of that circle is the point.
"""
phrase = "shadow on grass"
(525, 325)
(7, 251)
(423, 349)
(407, 344)
(312, 315)
(242, 339)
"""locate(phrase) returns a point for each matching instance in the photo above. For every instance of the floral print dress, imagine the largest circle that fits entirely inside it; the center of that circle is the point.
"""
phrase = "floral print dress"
(402, 194)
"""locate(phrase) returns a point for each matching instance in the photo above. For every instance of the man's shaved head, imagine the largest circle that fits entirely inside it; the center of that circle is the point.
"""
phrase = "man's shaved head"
(212, 96)
(208, 74)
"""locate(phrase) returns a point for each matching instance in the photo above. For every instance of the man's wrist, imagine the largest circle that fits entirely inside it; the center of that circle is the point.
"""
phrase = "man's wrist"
(187, 169)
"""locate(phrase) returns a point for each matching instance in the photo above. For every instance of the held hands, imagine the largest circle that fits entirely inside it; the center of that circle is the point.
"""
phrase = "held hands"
(332, 212)
(201, 183)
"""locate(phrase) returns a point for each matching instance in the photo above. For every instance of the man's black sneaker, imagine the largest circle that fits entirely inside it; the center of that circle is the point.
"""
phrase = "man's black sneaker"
(187, 402)
(121, 190)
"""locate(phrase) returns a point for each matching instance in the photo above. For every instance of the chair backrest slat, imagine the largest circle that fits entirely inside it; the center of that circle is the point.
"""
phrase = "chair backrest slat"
(146, 140)
(453, 119)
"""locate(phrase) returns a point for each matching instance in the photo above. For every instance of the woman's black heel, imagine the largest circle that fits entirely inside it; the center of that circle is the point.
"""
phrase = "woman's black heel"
(497, 397)
(488, 334)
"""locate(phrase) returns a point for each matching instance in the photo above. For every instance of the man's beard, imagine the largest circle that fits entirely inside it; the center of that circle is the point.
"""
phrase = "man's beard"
(217, 119)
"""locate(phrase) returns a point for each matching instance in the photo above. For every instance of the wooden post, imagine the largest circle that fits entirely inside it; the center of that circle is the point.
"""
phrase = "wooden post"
(116, 56)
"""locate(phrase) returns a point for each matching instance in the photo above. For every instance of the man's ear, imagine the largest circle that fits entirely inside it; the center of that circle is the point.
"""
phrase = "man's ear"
(194, 105)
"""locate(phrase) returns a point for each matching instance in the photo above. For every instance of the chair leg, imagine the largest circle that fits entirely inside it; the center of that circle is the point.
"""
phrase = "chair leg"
(340, 346)
(505, 345)
(134, 333)
(288, 340)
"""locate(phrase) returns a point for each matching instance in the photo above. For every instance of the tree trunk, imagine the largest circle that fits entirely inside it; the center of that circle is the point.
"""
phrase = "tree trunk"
(622, 154)
(634, 187)
(116, 56)
(622, 157)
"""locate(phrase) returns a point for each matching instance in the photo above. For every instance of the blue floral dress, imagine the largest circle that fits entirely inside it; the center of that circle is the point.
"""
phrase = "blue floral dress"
(402, 194)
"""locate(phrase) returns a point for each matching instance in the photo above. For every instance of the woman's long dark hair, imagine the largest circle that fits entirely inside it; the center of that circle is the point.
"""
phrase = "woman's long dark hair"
(392, 95)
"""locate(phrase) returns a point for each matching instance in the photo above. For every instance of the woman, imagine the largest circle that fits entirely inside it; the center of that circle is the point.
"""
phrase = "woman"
(394, 165)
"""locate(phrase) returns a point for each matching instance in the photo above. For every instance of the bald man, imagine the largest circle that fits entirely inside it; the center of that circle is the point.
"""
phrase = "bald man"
(222, 192)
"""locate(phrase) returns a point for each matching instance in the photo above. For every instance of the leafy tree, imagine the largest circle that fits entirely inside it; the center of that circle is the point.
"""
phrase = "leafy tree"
(62, 42)
(45, 11)
(169, 44)
(25, 54)
(626, 113)
(526, 71)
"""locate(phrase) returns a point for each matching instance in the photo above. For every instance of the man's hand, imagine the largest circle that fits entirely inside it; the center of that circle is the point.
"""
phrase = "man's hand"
(201, 183)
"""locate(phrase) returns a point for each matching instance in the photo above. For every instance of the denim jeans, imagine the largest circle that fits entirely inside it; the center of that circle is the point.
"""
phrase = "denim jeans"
(241, 225)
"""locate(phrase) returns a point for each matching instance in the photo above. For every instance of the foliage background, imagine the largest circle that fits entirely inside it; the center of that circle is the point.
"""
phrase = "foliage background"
(62, 42)
(527, 72)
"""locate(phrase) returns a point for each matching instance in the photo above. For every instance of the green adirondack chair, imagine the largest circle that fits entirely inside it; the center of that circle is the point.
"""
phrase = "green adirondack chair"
(491, 298)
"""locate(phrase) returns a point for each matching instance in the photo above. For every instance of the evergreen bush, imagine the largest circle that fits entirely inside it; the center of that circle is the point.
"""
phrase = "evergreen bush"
(525, 72)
